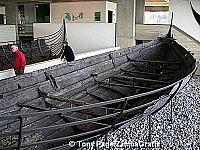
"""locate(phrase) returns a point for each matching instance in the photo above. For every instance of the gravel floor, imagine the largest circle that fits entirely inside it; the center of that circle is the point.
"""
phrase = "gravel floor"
(181, 131)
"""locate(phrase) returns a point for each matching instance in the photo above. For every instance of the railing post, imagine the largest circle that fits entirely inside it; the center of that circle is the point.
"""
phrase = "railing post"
(64, 30)
(20, 132)
(106, 138)
(96, 148)
(149, 139)
(171, 109)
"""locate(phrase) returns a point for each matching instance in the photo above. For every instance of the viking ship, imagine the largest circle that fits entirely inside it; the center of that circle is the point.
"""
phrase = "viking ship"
(85, 99)
(39, 50)
(196, 15)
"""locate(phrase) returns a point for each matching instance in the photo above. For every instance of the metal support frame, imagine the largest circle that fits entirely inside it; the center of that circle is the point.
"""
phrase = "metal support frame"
(171, 109)
(94, 122)
(149, 137)
(118, 117)
(20, 132)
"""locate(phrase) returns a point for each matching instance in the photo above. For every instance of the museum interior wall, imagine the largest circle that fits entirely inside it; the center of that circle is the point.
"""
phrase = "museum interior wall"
(183, 17)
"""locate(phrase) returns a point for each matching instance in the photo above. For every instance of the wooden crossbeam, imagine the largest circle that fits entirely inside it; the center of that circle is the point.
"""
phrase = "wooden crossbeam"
(158, 68)
(97, 97)
(138, 79)
(61, 99)
(114, 84)
(32, 107)
(147, 73)
(77, 102)
(157, 62)
(126, 85)
(114, 90)
(88, 112)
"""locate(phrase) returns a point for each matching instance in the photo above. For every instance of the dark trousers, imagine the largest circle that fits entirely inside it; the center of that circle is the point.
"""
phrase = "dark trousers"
(20, 71)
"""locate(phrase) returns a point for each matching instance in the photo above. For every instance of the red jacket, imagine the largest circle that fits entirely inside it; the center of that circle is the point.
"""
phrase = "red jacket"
(20, 60)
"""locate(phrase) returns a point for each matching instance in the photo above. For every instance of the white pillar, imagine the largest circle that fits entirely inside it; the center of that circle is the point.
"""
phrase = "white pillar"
(11, 9)
(140, 8)
(125, 27)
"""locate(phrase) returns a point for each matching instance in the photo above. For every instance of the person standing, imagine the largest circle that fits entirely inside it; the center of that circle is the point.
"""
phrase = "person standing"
(19, 60)
(68, 52)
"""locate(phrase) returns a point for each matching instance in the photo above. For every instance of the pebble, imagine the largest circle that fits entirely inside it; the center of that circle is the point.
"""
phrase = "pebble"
(181, 131)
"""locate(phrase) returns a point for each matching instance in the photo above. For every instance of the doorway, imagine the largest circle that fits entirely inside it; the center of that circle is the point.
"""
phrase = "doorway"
(110, 16)
(1, 18)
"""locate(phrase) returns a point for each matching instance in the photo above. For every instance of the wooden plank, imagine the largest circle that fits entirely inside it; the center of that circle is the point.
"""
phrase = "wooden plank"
(61, 99)
(32, 107)
(147, 73)
(126, 85)
(114, 90)
(138, 79)
(157, 62)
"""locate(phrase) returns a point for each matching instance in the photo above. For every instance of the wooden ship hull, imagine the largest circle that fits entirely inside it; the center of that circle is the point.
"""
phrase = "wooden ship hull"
(84, 99)
(38, 50)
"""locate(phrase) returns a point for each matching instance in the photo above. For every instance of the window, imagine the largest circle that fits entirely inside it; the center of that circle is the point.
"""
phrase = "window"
(156, 15)
(42, 13)
(97, 16)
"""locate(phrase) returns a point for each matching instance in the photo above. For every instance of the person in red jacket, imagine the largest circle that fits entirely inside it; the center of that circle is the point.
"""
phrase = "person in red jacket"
(19, 61)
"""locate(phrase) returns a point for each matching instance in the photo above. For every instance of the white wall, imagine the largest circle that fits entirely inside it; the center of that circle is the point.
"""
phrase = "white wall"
(58, 11)
(82, 37)
(183, 17)
(7, 33)
(33, 67)
(2, 10)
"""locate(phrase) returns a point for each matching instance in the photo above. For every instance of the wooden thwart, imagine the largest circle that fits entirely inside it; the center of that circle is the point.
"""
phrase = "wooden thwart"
(147, 73)
(32, 107)
(157, 62)
(114, 90)
(61, 99)
(96, 96)
(138, 79)
(125, 85)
